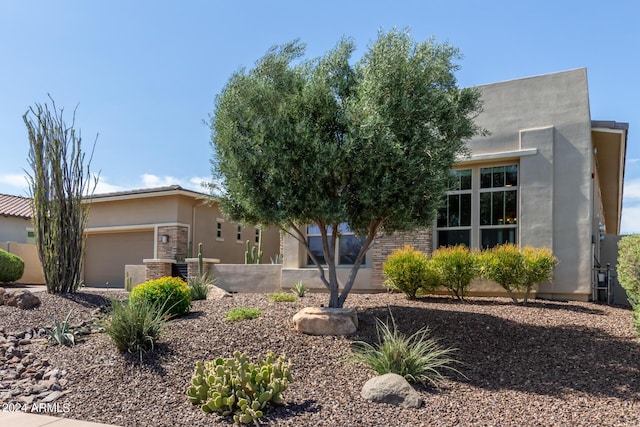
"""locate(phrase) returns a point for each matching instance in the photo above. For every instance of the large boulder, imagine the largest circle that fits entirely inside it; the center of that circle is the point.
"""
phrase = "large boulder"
(326, 321)
(22, 299)
(216, 292)
(392, 389)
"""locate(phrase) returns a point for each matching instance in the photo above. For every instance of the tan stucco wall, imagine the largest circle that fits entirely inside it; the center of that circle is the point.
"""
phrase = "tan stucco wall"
(33, 274)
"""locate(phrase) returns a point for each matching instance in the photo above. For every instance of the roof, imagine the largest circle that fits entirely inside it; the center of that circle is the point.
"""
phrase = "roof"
(610, 147)
(147, 192)
(16, 206)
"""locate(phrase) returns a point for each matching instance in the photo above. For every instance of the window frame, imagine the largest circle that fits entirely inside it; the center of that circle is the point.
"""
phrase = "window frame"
(343, 231)
(476, 228)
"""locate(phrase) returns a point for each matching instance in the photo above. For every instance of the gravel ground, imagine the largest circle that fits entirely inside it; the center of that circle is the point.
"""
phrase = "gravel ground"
(547, 364)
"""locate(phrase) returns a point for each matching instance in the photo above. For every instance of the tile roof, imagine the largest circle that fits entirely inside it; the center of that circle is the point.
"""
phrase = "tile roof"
(15, 206)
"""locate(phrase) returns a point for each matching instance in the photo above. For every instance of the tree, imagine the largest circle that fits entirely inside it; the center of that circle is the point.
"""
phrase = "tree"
(58, 183)
(324, 142)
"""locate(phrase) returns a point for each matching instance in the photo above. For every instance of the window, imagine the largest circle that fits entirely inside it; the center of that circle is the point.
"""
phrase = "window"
(219, 230)
(349, 245)
(239, 233)
(481, 208)
(257, 235)
(454, 219)
(498, 205)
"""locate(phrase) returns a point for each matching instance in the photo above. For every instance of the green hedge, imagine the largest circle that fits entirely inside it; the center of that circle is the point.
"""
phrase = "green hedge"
(11, 267)
(629, 273)
(408, 270)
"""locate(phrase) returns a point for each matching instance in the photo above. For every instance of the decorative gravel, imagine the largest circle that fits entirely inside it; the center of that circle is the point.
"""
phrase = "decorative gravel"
(546, 364)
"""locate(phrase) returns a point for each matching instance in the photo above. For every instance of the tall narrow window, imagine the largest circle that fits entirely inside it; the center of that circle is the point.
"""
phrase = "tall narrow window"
(257, 235)
(219, 230)
(454, 218)
(239, 233)
(498, 205)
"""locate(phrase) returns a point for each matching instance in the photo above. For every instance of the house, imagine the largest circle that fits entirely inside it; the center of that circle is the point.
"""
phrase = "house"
(167, 223)
(547, 175)
(15, 219)
(16, 236)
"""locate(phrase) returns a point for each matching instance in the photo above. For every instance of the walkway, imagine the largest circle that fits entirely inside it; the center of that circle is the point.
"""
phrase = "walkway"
(25, 419)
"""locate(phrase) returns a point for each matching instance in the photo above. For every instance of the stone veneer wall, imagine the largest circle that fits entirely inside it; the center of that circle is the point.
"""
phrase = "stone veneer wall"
(419, 239)
(176, 247)
(157, 268)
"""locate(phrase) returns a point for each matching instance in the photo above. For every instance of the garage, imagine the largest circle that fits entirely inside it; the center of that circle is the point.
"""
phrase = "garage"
(106, 255)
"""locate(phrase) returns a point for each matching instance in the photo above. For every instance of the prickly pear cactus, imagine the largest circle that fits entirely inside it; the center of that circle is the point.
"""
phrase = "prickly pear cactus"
(239, 387)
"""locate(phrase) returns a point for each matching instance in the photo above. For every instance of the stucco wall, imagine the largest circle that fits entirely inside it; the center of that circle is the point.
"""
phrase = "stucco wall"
(261, 278)
(548, 114)
(33, 274)
(13, 229)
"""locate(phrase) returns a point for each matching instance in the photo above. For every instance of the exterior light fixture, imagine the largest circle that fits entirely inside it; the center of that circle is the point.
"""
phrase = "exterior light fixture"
(164, 238)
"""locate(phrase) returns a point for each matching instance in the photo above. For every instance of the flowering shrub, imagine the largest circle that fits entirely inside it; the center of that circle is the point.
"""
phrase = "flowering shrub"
(171, 293)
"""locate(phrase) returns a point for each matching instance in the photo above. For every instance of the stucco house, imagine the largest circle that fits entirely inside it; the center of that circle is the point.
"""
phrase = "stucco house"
(16, 235)
(129, 227)
(548, 175)
(15, 218)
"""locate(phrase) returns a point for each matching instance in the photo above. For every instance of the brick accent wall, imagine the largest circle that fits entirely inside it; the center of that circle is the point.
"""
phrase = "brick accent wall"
(176, 246)
(156, 270)
(419, 239)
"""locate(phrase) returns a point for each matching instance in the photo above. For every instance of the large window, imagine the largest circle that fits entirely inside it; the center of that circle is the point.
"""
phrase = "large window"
(481, 208)
(498, 205)
(454, 219)
(348, 245)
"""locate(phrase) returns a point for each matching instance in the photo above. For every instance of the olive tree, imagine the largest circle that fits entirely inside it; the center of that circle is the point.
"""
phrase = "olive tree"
(326, 142)
(58, 183)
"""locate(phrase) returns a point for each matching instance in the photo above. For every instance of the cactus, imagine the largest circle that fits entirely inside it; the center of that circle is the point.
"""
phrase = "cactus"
(250, 255)
(238, 387)
(128, 282)
(200, 262)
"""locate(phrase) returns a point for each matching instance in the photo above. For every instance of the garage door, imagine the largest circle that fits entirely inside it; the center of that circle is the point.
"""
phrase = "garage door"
(107, 254)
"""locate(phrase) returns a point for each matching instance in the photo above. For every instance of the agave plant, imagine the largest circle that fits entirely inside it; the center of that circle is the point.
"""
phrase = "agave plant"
(61, 334)
(299, 288)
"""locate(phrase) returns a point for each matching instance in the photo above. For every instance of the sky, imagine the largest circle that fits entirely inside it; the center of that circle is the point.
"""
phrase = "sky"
(143, 75)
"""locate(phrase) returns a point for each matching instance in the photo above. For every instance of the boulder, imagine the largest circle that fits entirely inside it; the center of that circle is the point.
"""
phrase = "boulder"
(22, 299)
(326, 321)
(3, 295)
(392, 389)
(217, 293)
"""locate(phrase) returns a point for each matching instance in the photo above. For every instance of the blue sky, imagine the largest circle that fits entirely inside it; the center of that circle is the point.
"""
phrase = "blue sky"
(144, 74)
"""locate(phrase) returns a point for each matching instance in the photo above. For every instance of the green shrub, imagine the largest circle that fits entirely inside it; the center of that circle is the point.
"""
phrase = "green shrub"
(417, 358)
(239, 387)
(61, 334)
(407, 270)
(11, 267)
(282, 297)
(199, 287)
(539, 266)
(457, 267)
(629, 273)
(134, 328)
(504, 264)
(171, 292)
(299, 288)
(242, 313)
